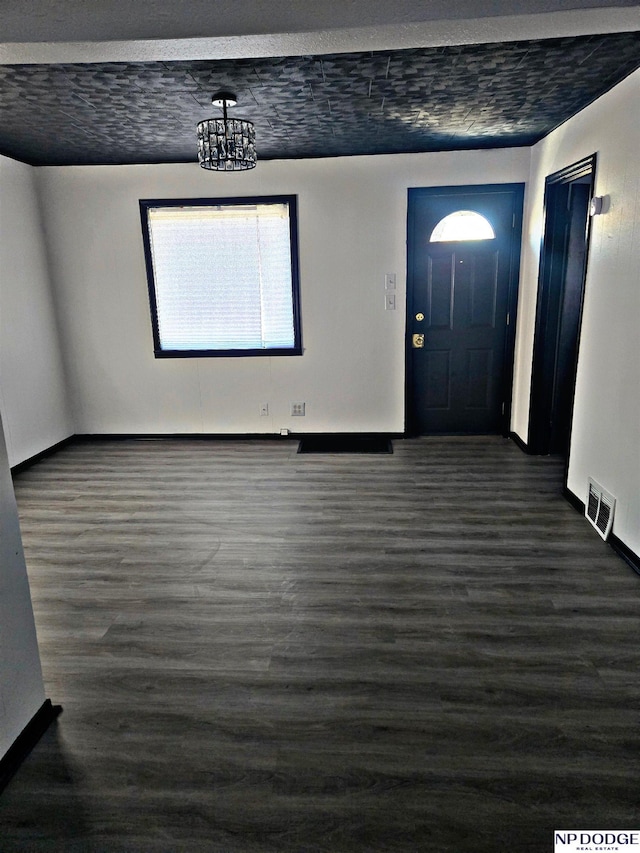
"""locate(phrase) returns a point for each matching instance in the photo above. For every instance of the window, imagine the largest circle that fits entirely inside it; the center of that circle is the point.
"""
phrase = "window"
(223, 276)
(462, 225)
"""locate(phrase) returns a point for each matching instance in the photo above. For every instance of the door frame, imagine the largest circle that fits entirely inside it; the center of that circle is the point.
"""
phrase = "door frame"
(517, 190)
(549, 311)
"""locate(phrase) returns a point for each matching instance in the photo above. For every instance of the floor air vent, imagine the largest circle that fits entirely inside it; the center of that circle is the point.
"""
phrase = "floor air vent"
(599, 509)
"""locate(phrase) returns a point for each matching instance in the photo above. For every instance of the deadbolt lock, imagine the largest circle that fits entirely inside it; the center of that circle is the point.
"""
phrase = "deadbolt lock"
(418, 341)
(420, 316)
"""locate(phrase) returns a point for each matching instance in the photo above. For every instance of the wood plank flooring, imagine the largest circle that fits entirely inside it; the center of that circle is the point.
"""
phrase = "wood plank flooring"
(262, 651)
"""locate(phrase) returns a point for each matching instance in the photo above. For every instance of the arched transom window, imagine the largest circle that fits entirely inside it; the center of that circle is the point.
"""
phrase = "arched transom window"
(462, 225)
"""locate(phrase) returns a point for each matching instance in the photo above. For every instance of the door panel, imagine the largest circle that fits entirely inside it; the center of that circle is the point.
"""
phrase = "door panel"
(438, 380)
(483, 290)
(440, 293)
(479, 372)
(463, 290)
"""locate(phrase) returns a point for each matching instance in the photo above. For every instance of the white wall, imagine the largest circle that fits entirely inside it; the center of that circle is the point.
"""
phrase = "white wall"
(32, 385)
(606, 424)
(352, 229)
(21, 687)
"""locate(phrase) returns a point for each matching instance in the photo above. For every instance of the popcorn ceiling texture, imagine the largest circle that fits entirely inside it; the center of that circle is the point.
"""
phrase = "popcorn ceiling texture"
(423, 99)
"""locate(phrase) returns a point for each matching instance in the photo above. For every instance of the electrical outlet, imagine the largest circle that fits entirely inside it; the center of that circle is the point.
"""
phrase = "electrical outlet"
(264, 410)
(297, 410)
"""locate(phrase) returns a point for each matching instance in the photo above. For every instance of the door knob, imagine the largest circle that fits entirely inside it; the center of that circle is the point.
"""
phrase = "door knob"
(417, 341)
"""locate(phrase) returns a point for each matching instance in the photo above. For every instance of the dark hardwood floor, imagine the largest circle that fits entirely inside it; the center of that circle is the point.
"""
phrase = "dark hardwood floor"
(262, 651)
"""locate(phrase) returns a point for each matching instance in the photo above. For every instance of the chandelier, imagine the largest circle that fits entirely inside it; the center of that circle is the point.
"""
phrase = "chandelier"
(226, 144)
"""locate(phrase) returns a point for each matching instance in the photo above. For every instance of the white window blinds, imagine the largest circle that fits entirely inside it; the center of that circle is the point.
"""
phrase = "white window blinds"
(222, 276)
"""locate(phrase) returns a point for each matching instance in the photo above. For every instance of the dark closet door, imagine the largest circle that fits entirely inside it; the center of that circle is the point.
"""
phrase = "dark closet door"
(571, 287)
(561, 284)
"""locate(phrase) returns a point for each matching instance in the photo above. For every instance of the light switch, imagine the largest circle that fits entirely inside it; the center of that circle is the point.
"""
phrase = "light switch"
(390, 282)
(389, 302)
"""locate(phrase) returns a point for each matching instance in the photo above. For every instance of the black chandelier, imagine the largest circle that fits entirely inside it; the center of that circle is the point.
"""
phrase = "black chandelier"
(226, 144)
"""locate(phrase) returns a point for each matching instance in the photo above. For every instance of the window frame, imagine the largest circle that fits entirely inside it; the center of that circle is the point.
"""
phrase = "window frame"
(291, 202)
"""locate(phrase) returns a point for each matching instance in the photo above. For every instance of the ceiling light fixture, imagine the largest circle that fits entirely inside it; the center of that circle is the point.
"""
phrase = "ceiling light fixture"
(226, 144)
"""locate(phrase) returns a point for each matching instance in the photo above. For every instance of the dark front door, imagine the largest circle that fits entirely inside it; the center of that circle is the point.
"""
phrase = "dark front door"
(461, 298)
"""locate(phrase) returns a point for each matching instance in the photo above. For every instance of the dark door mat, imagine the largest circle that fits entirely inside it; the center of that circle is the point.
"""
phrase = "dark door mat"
(345, 444)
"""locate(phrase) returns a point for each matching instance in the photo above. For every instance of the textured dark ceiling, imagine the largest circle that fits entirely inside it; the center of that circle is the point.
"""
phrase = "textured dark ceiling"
(424, 99)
